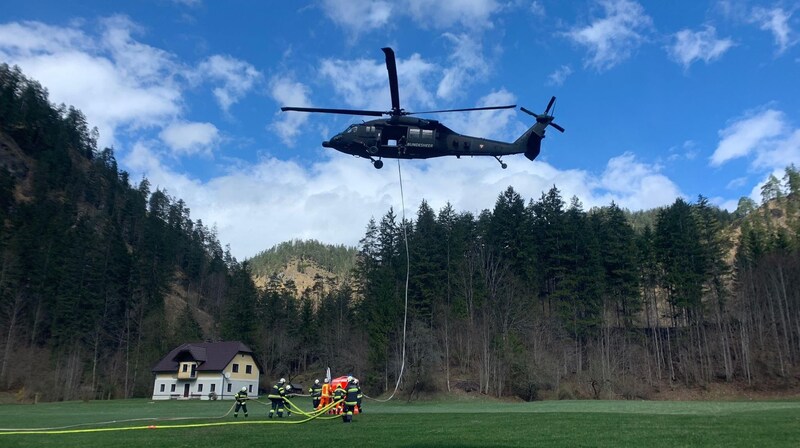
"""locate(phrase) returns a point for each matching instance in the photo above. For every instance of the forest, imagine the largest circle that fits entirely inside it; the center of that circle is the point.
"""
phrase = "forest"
(535, 298)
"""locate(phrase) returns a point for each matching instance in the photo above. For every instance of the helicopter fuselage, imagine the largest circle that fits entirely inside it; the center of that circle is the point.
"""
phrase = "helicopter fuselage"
(413, 138)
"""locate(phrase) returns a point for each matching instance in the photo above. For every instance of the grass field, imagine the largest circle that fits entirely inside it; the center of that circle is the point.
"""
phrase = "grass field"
(451, 423)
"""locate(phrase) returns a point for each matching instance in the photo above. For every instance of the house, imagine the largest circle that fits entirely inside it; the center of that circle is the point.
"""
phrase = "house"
(206, 370)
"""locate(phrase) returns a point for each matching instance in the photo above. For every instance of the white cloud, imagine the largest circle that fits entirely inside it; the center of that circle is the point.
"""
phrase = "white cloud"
(364, 83)
(114, 80)
(255, 206)
(689, 46)
(560, 75)
(446, 13)
(613, 38)
(358, 16)
(499, 124)
(538, 9)
(635, 185)
(776, 21)
(191, 3)
(367, 15)
(780, 153)
(190, 138)
(288, 92)
(469, 66)
(751, 133)
(237, 78)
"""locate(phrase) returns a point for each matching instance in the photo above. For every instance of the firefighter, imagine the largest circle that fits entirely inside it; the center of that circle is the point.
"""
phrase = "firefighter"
(338, 396)
(241, 402)
(316, 393)
(360, 395)
(288, 393)
(327, 393)
(276, 397)
(350, 400)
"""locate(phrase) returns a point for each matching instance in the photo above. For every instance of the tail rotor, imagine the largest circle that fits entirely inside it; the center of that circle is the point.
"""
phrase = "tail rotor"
(545, 118)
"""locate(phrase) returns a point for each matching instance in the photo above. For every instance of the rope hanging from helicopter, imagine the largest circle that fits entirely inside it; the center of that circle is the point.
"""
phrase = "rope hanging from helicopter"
(405, 305)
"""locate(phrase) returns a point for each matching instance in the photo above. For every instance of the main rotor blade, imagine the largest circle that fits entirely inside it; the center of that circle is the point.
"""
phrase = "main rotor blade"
(550, 104)
(391, 67)
(372, 113)
(462, 110)
(529, 112)
(556, 126)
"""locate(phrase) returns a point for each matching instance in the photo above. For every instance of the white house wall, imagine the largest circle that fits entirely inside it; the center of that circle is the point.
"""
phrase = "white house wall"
(201, 387)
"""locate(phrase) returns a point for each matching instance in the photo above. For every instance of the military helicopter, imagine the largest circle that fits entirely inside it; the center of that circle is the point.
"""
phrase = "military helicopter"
(403, 137)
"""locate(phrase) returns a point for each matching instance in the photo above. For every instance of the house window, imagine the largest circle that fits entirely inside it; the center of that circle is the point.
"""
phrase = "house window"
(163, 386)
(213, 387)
(235, 368)
(229, 387)
(251, 389)
(199, 387)
(186, 367)
(248, 369)
(172, 388)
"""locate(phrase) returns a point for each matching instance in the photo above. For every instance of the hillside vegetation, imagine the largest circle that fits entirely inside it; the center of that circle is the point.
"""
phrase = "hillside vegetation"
(534, 298)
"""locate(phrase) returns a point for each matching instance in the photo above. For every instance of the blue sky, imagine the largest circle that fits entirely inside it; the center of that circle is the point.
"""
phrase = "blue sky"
(659, 100)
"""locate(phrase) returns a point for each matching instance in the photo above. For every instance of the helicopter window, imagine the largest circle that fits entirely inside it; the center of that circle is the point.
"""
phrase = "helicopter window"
(455, 143)
(413, 133)
(351, 129)
(466, 144)
(427, 134)
(370, 129)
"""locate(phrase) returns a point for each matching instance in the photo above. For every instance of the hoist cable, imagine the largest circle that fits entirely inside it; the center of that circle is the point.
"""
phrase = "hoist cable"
(408, 270)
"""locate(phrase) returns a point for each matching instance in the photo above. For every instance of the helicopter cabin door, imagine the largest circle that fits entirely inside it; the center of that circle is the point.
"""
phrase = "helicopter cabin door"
(369, 134)
(420, 138)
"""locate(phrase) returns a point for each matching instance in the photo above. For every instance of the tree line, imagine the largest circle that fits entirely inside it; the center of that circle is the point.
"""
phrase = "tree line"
(541, 298)
(86, 259)
(533, 298)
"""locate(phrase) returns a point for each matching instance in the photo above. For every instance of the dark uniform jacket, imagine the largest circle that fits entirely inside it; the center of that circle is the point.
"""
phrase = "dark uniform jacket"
(338, 394)
(278, 391)
(240, 396)
(352, 395)
(315, 391)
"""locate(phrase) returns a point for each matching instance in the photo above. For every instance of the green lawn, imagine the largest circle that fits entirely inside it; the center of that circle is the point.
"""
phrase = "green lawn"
(456, 423)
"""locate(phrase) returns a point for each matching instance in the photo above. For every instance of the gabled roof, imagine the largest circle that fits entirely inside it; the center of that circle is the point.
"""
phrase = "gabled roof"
(210, 356)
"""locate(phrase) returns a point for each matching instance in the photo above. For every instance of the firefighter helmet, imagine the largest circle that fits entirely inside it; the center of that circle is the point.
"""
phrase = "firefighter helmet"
(244, 389)
(316, 381)
(282, 380)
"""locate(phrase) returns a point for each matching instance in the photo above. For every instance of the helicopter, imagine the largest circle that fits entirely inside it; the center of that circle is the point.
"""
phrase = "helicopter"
(401, 136)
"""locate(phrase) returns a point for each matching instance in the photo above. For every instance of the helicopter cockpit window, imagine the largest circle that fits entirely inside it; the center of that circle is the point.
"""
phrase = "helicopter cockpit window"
(370, 129)
(351, 129)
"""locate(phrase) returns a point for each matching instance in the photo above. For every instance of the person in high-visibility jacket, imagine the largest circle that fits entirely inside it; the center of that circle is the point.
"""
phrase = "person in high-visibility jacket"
(241, 402)
(338, 396)
(276, 397)
(316, 393)
(350, 401)
(327, 394)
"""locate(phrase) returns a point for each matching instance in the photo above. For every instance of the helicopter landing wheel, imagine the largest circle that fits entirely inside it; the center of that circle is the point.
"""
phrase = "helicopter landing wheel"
(502, 164)
(378, 164)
